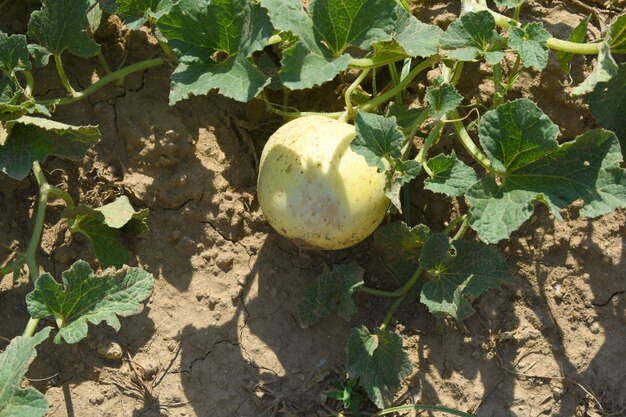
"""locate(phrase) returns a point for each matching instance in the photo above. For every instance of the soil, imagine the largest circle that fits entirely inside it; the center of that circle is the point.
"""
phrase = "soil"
(220, 337)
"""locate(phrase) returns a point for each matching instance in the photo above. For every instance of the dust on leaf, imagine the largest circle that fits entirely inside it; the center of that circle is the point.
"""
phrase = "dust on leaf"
(333, 292)
(450, 176)
(379, 362)
(474, 35)
(459, 272)
(530, 42)
(521, 142)
(16, 401)
(62, 25)
(31, 139)
(83, 298)
(214, 41)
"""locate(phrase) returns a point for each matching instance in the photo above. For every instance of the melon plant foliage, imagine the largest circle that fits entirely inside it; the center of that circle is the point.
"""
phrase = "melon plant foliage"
(505, 161)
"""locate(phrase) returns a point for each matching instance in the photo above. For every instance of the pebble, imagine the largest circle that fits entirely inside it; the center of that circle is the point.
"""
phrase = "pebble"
(110, 350)
(595, 328)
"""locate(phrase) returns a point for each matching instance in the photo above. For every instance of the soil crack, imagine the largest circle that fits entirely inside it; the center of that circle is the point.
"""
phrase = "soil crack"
(615, 294)
(206, 355)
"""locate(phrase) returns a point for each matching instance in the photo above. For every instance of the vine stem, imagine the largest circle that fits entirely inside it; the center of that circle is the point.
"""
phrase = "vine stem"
(391, 312)
(389, 94)
(114, 76)
(352, 87)
(468, 143)
(295, 114)
(393, 294)
(552, 43)
(375, 62)
(45, 192)
(63, 76)
(31, 251)
(30, 82)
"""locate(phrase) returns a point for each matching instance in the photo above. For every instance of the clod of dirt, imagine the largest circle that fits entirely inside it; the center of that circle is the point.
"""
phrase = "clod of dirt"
(110, 350)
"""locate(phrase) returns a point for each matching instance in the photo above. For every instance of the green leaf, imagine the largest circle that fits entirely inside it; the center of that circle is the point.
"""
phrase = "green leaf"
(106, 241)
(474, 35)
(377, 138)
(61, 25)
(137, 12)
(417, 38)
(605, 69)
(607, 103)
(121, 213)
(13, 54)
(103, 226)
(521, 143)
(458, 274)
(516, 134)
(333, 291)
(14, 103)
(215, 40)
(379, 361)
(16, 401)
(578, 36)
(450, 176)
(327, 29)
(406, 118)
(39, 54)
(442, 99)
(617, 33)
(84, 298)
(530, 44)
(402, 174)
(398, 247)
(32, 139)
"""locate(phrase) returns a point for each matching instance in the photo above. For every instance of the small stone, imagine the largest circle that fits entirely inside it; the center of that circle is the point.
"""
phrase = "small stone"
(150, 369)
(224, 261)
(97, 399)
(595, 328)
(558, 292)
(110, 350)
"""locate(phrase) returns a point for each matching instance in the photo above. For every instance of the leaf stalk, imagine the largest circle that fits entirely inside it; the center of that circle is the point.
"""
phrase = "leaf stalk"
(109, 78)
(63, 76)
(552, 43)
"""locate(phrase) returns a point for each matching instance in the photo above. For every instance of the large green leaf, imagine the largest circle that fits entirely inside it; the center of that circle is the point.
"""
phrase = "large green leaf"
(379, 361)
(333, 291)
(327, 29)
(29, 139)
(458, 273)
(607, 103)
(16, 401)
(521, 142)
(215, 40)
(474, 35)
(13, 53)
(61, 25)
(84, 298)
